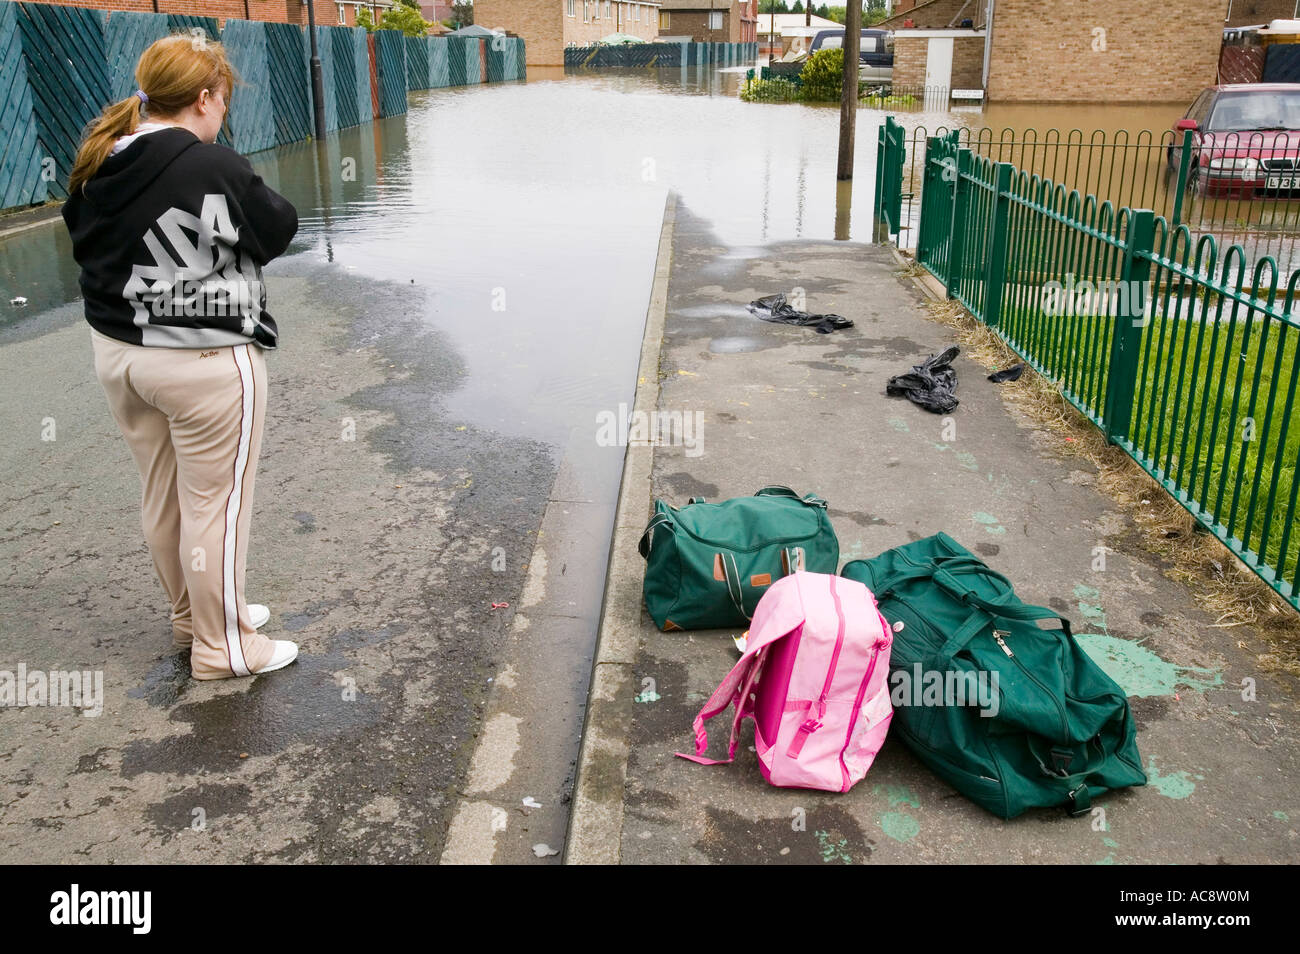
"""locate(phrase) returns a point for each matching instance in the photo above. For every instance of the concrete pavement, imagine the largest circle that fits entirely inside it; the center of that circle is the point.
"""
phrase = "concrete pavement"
(784, 405)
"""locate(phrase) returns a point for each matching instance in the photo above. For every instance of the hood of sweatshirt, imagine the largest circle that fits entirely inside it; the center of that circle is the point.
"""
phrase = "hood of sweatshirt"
(121, 178)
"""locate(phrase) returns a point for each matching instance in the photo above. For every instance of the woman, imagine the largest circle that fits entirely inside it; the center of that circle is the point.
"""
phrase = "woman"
(171, 232)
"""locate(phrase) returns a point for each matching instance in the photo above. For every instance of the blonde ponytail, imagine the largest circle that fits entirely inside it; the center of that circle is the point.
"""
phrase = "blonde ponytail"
(120, 119)
(172, 73)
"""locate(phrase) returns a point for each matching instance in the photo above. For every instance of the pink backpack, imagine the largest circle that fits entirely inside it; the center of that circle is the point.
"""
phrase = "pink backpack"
(814, 678)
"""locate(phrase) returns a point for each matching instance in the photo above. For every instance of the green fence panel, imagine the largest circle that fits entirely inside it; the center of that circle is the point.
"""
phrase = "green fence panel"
(361, 63)
(252, 111)
(417, 62)
(343, 67)
(21, 171)
(390, 69)
(127, 36)
(496, 60)
(458, 66)
(329, 82)
(440, 62)
(195, 26)
(67, 72)
(289, 63)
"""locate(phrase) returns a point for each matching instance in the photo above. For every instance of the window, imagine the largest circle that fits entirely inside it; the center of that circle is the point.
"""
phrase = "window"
(608, 15)
(572, 11)
(715, 20)
(665, 21)
(342, 16)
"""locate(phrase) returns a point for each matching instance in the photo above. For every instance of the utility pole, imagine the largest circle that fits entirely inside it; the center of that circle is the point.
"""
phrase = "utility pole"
(317, 82)
(849, 102)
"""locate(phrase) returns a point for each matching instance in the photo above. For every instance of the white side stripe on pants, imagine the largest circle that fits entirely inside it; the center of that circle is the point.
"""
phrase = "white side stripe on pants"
(238, 665)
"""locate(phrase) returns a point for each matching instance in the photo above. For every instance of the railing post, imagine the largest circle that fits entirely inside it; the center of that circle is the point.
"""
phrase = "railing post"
(1126, 340)
(1184, 169)
(957, 227)
(877, 207)
(995, 274)
(926, 226)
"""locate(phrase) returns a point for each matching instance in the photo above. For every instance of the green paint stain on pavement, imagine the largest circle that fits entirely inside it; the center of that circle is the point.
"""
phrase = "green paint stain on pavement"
(1108, 860)
(833, 851)
(967, 460)
(899, 826)
(1110, 842)
(1090, 606)
(1281, 816)
(648, 696)
(1139, 671)
(897, 795)
(898, 424)
(1174, 785)
(989, 521)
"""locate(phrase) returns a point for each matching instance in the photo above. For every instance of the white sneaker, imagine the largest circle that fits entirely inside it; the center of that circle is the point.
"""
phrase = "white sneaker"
(258, 615)
(285, 653)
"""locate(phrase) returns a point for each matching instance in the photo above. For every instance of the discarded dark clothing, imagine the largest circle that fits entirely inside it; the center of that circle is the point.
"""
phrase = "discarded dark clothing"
(931, 384)
(776, 308)
(1012, 373)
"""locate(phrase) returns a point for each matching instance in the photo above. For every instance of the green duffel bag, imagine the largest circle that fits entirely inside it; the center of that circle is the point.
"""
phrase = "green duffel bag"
(708, 565)
(1047, 727)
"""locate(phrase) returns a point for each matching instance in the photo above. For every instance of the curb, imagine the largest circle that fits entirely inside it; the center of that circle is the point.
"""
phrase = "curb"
(596, 816)
(17, 222)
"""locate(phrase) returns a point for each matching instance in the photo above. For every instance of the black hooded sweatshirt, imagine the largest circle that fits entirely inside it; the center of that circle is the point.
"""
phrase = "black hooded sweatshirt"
(171, 235)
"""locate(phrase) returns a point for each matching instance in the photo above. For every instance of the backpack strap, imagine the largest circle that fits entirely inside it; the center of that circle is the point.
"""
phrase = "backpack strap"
(733, 689)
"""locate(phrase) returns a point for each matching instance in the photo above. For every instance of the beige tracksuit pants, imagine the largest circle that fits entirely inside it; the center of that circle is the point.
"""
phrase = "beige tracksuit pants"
(193, 421)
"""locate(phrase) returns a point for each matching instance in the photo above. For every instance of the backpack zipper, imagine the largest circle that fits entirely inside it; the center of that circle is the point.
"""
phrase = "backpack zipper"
(812, 724)
(857, 703)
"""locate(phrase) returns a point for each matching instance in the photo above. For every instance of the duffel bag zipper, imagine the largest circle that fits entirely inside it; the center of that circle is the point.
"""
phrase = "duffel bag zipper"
(1000, 636)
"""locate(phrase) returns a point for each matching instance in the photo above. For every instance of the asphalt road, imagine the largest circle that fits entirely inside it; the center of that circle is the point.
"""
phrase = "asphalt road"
(381, 555)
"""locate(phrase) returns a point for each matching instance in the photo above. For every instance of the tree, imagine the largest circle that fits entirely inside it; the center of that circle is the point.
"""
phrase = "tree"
(365, 20)
(405, 16)
(463, 12)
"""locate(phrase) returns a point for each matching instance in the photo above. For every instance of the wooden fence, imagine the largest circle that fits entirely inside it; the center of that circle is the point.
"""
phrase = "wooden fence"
(60, 65)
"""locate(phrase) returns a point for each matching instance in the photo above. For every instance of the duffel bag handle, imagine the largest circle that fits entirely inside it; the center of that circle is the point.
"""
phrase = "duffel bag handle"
(731, 574)
(792, 560)
(777, 490)
(647, 538)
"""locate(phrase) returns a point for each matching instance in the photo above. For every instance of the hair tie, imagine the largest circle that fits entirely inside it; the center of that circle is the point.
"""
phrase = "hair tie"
(143, 97)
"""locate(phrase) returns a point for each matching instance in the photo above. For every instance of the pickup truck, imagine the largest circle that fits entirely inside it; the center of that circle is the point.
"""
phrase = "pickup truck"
(875, 56)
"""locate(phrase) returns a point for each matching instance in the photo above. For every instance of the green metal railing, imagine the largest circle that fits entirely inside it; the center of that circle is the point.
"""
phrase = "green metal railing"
(1184, 356)
(887, 205)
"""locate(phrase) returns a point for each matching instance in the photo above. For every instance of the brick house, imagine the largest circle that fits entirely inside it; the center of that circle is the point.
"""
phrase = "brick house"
(720, 21)
(548, 26)
(1070, 51)
(438, 11)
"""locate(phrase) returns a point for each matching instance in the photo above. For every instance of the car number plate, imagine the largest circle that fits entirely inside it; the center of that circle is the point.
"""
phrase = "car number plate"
(1283, 182)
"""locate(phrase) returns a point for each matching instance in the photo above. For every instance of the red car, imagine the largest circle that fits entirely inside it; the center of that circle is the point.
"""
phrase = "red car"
(1245, 140)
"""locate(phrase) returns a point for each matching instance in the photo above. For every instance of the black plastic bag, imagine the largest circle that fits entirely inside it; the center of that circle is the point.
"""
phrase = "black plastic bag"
(1012, 373)
(776, 308)
(931, 384)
